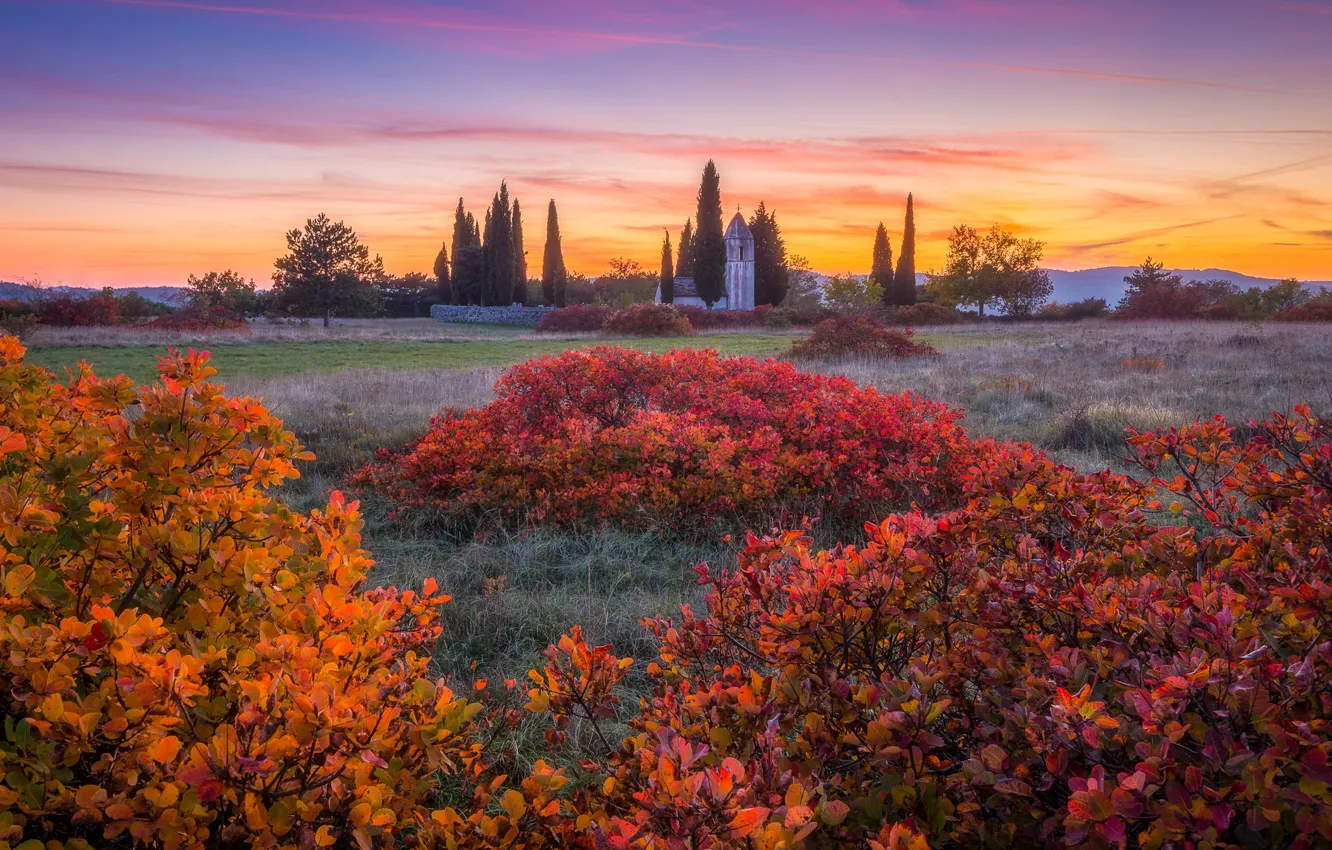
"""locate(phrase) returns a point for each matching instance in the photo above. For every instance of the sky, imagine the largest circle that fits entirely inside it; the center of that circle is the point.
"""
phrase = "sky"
(145, 140)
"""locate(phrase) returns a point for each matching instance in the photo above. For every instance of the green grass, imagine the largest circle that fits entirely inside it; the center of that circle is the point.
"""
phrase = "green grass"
(272, 359)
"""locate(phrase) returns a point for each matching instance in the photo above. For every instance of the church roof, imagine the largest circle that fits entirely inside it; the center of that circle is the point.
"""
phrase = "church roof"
(738, 228)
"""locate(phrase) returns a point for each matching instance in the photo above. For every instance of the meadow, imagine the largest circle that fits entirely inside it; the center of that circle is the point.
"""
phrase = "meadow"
(362, 385)
(1009, 649)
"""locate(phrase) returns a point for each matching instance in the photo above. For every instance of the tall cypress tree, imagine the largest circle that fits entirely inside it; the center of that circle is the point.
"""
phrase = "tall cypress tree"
(881, 265)
(904, 282)
(519, 257)
(771, 278)
(442, 278)
(709, 240)
(684, 262)
(552, 261)
(667, 273)
(499, 250)
(462, 237)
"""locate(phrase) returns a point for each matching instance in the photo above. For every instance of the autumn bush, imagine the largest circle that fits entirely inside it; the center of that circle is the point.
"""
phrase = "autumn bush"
(187, 662)
(924, 313)
(858, 336)
(1317, 310)
(704, 319)
(69, 311)
(215, 318)
(685, 441)
(647, 320)
(574, 319)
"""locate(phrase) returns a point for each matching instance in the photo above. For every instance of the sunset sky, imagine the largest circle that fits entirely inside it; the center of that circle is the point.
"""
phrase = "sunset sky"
(143, 140)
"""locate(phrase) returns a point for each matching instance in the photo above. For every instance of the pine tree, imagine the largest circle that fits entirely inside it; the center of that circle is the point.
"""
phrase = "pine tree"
(881, 265)
(771, 277)
(709, 240)
(904, 282)
(442, 275)
(684, 263)
(519, 257)
(667, 273)
(552, 262)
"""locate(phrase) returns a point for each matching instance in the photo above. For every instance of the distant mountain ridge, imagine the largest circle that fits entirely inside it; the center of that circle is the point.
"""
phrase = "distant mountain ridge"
(1108, 282)
(26, 292)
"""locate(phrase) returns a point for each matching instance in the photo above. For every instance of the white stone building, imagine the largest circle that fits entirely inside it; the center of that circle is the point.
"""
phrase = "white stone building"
(739, 291)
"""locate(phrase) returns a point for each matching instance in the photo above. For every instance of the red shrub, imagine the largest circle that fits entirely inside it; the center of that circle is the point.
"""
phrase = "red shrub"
(579, 318)
(66, 311)
(647, 320)
(217, 318)
(858, 336)
(686, 441)
(1318, 310)
(703, 319)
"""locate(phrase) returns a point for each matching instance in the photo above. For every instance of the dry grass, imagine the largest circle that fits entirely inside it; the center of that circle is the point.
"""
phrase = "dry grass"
(263, 330)
(1070, 394)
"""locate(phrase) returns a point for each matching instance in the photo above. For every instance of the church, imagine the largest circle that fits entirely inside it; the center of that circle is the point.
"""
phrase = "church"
(739, 291)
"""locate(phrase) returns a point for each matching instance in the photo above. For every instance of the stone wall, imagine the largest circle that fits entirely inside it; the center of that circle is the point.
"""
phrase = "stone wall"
(515, 314)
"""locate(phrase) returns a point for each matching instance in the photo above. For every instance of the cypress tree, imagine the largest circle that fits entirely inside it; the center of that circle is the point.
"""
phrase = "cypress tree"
(881, 265)
(709, 240)
(463, 225)
(442, 275)
(904, 282)
(684, 263)
(519, 257)
(667, 273)
(552, 262)
(499, 250)
(771, 278)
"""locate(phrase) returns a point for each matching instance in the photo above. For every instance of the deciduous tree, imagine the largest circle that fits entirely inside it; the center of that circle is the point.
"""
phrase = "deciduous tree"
(222, 289)
(992, 268)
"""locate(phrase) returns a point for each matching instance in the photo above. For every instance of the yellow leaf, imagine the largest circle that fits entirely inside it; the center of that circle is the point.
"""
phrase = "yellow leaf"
(53, 708)
(324, 837)
(514, 804)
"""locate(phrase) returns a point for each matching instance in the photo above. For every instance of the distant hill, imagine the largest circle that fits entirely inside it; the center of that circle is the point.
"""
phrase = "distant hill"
(1108, 282)
(24, 292)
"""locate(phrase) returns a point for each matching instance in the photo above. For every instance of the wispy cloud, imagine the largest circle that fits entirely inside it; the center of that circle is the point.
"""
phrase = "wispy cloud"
(568, 38)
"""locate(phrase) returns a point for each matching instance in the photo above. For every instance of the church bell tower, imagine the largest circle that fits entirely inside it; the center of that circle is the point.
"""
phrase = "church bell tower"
(739, 265)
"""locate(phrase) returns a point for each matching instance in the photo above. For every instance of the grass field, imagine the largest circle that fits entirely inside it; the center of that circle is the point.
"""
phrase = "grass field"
(1068, 389)
(273, 350)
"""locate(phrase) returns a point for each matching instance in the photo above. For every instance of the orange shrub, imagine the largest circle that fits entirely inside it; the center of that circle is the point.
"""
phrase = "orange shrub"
(647, 320)
(187, 662)
(859, 336)
(684, 441)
